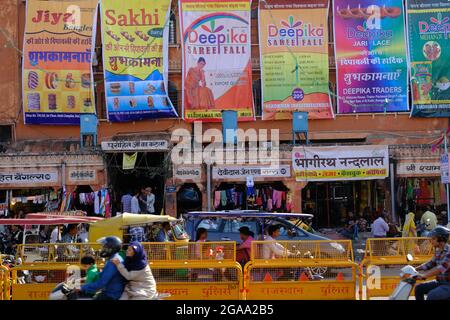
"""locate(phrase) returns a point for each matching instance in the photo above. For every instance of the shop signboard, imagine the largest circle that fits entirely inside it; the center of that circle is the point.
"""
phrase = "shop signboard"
(429, 43)
(143, 145)
(24, 177)
(417, 168)
(135, 59)
(188, 173)
(294, 58)
(82, 175)
(57, 77)
(217, 67)
(339, 163)
(242, 172)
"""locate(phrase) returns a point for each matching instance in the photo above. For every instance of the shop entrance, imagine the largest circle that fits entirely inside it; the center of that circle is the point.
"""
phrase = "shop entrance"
(149, 171)
(189, 198)
(332, 203)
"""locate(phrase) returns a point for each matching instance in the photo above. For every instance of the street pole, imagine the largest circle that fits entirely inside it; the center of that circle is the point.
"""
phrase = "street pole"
(208, 185)
(446, 185)
(391, 171)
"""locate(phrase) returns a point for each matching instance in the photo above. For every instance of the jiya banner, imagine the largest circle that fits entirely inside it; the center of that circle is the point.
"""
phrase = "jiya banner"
(340, 163)
(135, 51)
(429, 48)
(371, 59)
(294, 58)
(217, 70)
(57, 77)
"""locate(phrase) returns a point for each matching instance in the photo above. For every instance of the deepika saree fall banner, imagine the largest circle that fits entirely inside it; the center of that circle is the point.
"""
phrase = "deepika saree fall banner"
(217, 70)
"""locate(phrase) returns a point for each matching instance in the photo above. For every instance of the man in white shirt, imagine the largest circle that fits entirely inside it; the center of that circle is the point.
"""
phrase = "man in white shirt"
(274, 250)
(150, 200)
(135, 203)
(55, 236)
(379, 227)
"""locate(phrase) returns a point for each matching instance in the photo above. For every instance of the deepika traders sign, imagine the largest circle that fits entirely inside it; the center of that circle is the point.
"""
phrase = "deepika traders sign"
(429, 47)
(135, 36)
(340, 163)
(57, 77)
(294, 58)
(371, 59)
(217, 71)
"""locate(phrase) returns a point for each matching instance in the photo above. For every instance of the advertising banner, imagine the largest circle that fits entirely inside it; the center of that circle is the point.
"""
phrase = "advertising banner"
(340, 163)
(429, 48)
(217, 70)
(418, 168)
(135, 54)
(294, 58)
(371, 62)
(242, 172)
(57, 78)
(444, 168)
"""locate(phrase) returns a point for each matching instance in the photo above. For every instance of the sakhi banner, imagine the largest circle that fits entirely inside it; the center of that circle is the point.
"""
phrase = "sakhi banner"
(370, 49)
(429, 48)
(339, 163)
(135, 56)
(217, 70)
(57, 51)
(294, 58)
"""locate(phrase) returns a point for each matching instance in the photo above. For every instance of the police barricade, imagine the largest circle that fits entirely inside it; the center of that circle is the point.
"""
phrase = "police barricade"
(4, 283)
(164, 252)
(214, 280)
(189, 270)
(56, 253)
(286, 269)
(384, 257)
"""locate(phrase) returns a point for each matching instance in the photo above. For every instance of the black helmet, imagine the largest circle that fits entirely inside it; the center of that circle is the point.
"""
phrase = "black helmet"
(441, 233)
(111, 245)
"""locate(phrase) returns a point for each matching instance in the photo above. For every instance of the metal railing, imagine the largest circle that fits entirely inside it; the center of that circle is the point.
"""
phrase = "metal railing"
(318, 250)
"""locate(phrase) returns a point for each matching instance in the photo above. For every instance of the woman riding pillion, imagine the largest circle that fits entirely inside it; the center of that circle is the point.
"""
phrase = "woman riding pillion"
(141, 284)
(110, 283)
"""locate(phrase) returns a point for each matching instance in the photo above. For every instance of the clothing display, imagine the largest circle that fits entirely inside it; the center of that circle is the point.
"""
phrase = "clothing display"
(257, 197)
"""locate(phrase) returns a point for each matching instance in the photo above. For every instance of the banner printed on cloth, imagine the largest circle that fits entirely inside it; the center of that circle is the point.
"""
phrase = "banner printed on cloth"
(57, 78)
(429, 48)
(340, 163)
(217, 70)
(294, 58)
(370, 53)
(129, 161)
(135, 49)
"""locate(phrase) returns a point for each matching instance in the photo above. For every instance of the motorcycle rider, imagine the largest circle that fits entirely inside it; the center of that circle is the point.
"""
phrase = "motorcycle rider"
(110, 281)
(438, 266)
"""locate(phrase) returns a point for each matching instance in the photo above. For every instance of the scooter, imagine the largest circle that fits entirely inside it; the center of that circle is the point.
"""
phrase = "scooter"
(408, 276)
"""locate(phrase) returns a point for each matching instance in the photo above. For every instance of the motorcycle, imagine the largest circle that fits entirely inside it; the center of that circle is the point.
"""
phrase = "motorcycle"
(66, 291)
(408, 276)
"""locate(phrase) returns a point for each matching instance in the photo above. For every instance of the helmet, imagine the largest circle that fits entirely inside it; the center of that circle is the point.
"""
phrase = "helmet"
(111, 245)
(440, 232)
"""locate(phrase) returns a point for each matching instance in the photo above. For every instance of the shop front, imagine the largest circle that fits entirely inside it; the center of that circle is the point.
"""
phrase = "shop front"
(190, 184)
(35, 183)
(342, 182)
(253, 187)
(134, 163)
(418, 185)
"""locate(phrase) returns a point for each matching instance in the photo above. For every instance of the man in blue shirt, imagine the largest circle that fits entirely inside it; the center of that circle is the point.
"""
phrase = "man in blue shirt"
(110, 281)
(163, 234)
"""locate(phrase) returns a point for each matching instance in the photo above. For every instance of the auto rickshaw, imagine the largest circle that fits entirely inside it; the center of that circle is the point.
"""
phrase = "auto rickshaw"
(120, 226)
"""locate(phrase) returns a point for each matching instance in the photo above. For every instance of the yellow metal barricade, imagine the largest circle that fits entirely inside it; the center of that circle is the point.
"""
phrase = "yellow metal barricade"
(388, 256)
(213, 280)
(59, 253)
(283, 270)
(4, 283)
(176, 252)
